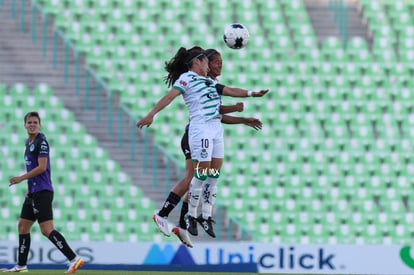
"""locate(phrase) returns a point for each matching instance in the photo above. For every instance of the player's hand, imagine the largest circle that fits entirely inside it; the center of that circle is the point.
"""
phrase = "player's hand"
(254, 123)
(239, 107)
(146, 121)
(14, 180)
(260, 93)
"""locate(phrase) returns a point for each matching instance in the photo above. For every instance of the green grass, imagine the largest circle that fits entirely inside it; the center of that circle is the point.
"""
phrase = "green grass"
(121, 272)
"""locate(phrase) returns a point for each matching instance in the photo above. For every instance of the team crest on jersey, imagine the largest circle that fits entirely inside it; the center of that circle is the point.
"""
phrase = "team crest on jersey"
(203, 153)
(183, 83)
(31, 148)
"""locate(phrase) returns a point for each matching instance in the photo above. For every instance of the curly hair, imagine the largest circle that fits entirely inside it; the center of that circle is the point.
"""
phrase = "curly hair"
(210, 53)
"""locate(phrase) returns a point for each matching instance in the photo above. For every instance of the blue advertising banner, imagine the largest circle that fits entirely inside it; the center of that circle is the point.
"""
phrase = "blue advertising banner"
(265, 258)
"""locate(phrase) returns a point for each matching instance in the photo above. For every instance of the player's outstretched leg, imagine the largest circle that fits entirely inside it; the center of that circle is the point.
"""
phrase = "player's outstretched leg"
(162, 224)
(75, 264)
(16, 268)
(207, 225)
(182, 235)
(191, 223)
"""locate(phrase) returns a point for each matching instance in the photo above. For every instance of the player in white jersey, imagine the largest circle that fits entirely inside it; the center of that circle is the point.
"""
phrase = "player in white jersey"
(187, 74)
(180, 188)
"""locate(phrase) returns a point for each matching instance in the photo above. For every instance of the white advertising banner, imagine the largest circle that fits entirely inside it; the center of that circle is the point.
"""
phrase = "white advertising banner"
(270, 258)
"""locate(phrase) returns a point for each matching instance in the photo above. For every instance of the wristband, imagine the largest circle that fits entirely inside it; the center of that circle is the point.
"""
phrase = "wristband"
(249, 93)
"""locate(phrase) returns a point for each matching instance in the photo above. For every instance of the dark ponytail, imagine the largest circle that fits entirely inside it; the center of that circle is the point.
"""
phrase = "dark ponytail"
(181, 63)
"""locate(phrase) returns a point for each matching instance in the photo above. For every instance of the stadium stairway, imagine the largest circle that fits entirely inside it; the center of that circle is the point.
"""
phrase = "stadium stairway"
(322, 19)
(22, 61)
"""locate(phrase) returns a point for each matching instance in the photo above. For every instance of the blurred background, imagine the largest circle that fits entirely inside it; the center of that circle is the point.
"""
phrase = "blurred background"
(332, 165)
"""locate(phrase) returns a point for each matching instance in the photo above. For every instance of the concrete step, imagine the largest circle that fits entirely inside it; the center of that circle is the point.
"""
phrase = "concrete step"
(322, 20)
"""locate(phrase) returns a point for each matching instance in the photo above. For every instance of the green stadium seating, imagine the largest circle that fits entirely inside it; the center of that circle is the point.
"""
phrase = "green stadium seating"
(337, 121)
(85, 181)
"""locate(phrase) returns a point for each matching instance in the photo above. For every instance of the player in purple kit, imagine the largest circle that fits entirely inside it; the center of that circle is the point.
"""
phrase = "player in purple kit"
(38, 202)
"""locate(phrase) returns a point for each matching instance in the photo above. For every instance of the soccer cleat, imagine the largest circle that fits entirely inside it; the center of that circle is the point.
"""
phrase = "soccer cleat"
(162, 224)
(182, 235)
(191, 223)
(73, 266)
(17, 268)
(207, 225)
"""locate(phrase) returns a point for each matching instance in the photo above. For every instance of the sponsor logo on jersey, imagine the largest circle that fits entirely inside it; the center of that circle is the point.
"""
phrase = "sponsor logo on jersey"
(27, 160)
(44, 147)
(212, 95)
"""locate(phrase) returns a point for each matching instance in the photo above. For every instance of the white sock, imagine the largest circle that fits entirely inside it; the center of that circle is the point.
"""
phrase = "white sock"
(209, 196)
(194, 196)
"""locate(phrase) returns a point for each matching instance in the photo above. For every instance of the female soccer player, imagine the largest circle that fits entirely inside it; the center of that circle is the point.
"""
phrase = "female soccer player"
(181, 188)
(38, 202)
(187, 74)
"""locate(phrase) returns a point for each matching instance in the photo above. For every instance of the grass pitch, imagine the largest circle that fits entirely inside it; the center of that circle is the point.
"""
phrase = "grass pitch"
(122, 272)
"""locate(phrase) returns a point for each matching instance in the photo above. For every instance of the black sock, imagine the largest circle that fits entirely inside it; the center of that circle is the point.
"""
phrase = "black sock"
(24, 248)
(59, 241)
(169, 204)
(184, 210)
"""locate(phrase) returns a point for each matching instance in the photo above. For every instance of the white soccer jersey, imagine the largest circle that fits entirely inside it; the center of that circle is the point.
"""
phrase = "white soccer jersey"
(200, 96)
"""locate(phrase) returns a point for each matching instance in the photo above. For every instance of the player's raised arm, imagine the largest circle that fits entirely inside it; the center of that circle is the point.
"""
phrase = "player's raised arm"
(238, 92)
(249, 121)
(238, 107)
(161, 104)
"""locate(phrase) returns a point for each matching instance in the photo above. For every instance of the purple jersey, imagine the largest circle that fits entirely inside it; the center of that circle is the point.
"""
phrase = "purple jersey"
(38, 148)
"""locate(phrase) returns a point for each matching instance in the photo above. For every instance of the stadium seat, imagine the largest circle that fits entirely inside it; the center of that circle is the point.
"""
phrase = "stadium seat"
(323, 124)
(84, 202)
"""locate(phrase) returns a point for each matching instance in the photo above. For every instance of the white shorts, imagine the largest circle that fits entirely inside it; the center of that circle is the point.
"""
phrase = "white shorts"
(206, 140)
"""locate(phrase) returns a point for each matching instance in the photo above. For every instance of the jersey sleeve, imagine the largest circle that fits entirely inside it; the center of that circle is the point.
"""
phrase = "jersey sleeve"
(181, 85)
(43, 148)
(220, 88)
